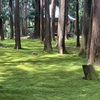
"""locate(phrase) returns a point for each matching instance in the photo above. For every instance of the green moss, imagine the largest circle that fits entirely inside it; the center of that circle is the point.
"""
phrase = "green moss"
(45, 76)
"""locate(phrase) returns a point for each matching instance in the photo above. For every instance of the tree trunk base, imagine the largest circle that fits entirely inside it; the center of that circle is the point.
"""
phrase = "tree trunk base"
(89, 72)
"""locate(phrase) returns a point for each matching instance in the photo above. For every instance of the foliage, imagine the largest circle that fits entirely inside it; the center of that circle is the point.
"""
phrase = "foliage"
(4, 14)
(72, 9)
(30, 73)
(32, 15)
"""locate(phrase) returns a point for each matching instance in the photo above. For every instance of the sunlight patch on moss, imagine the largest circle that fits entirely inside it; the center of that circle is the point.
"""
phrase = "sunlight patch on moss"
(50, 55)
(97, 68)
(2, 79)
(72, 68)
(25, 68)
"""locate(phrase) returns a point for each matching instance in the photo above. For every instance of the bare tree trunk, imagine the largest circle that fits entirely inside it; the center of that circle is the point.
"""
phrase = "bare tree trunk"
(47, 42)
(1, 23)
(23, 19)
(26, 27)
(53, 19)
(41, 22)
(90, 33)
(17, 26)
(61, 27)
(94, 52)
(77, 24)
(66, 25)
(1, 29)
(11, 20)
(37, 20)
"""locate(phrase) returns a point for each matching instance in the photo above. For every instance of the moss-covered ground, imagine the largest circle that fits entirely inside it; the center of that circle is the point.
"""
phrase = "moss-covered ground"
(32, 74)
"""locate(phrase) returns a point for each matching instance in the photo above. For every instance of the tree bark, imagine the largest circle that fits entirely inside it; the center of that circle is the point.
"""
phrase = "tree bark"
(41, 22)
(17, 26)
(61, 27)
(94, 51)
(1, 22)
(23, 19)
(37, 20)
(26, 27)
(47, 41)
(77, 24)
(11, 20)
(53, 19)
(1, 29)
(66, 25)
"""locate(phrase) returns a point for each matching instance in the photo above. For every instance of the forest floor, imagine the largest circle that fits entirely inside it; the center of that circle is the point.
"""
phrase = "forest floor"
(32, 74)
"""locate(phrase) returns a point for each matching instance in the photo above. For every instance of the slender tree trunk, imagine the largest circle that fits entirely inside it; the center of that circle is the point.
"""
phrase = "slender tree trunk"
(4, 28)
(37, 20)
(23, 19)
(23, 27)
(17, 26)
(1, 29)
(77, 24)
(53, 19)
(66, 25)
(41, 22)
(61, 27)
(26, 27)
(90, 33)
(47, 42)
(11, 20)
(1, 23)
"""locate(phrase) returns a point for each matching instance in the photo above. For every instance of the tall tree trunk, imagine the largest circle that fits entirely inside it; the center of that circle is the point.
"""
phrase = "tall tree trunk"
(53, 19)
(23, 27)
(47, 42)
(1, 22)
(17, 26)
(23, 19)
(26, 26)
(11, 20)
(61, 27)
(94, 52)
(85, 29)
(66, 25)
(41, 22)
(37, 20)
(1, 29)
(77, 24)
